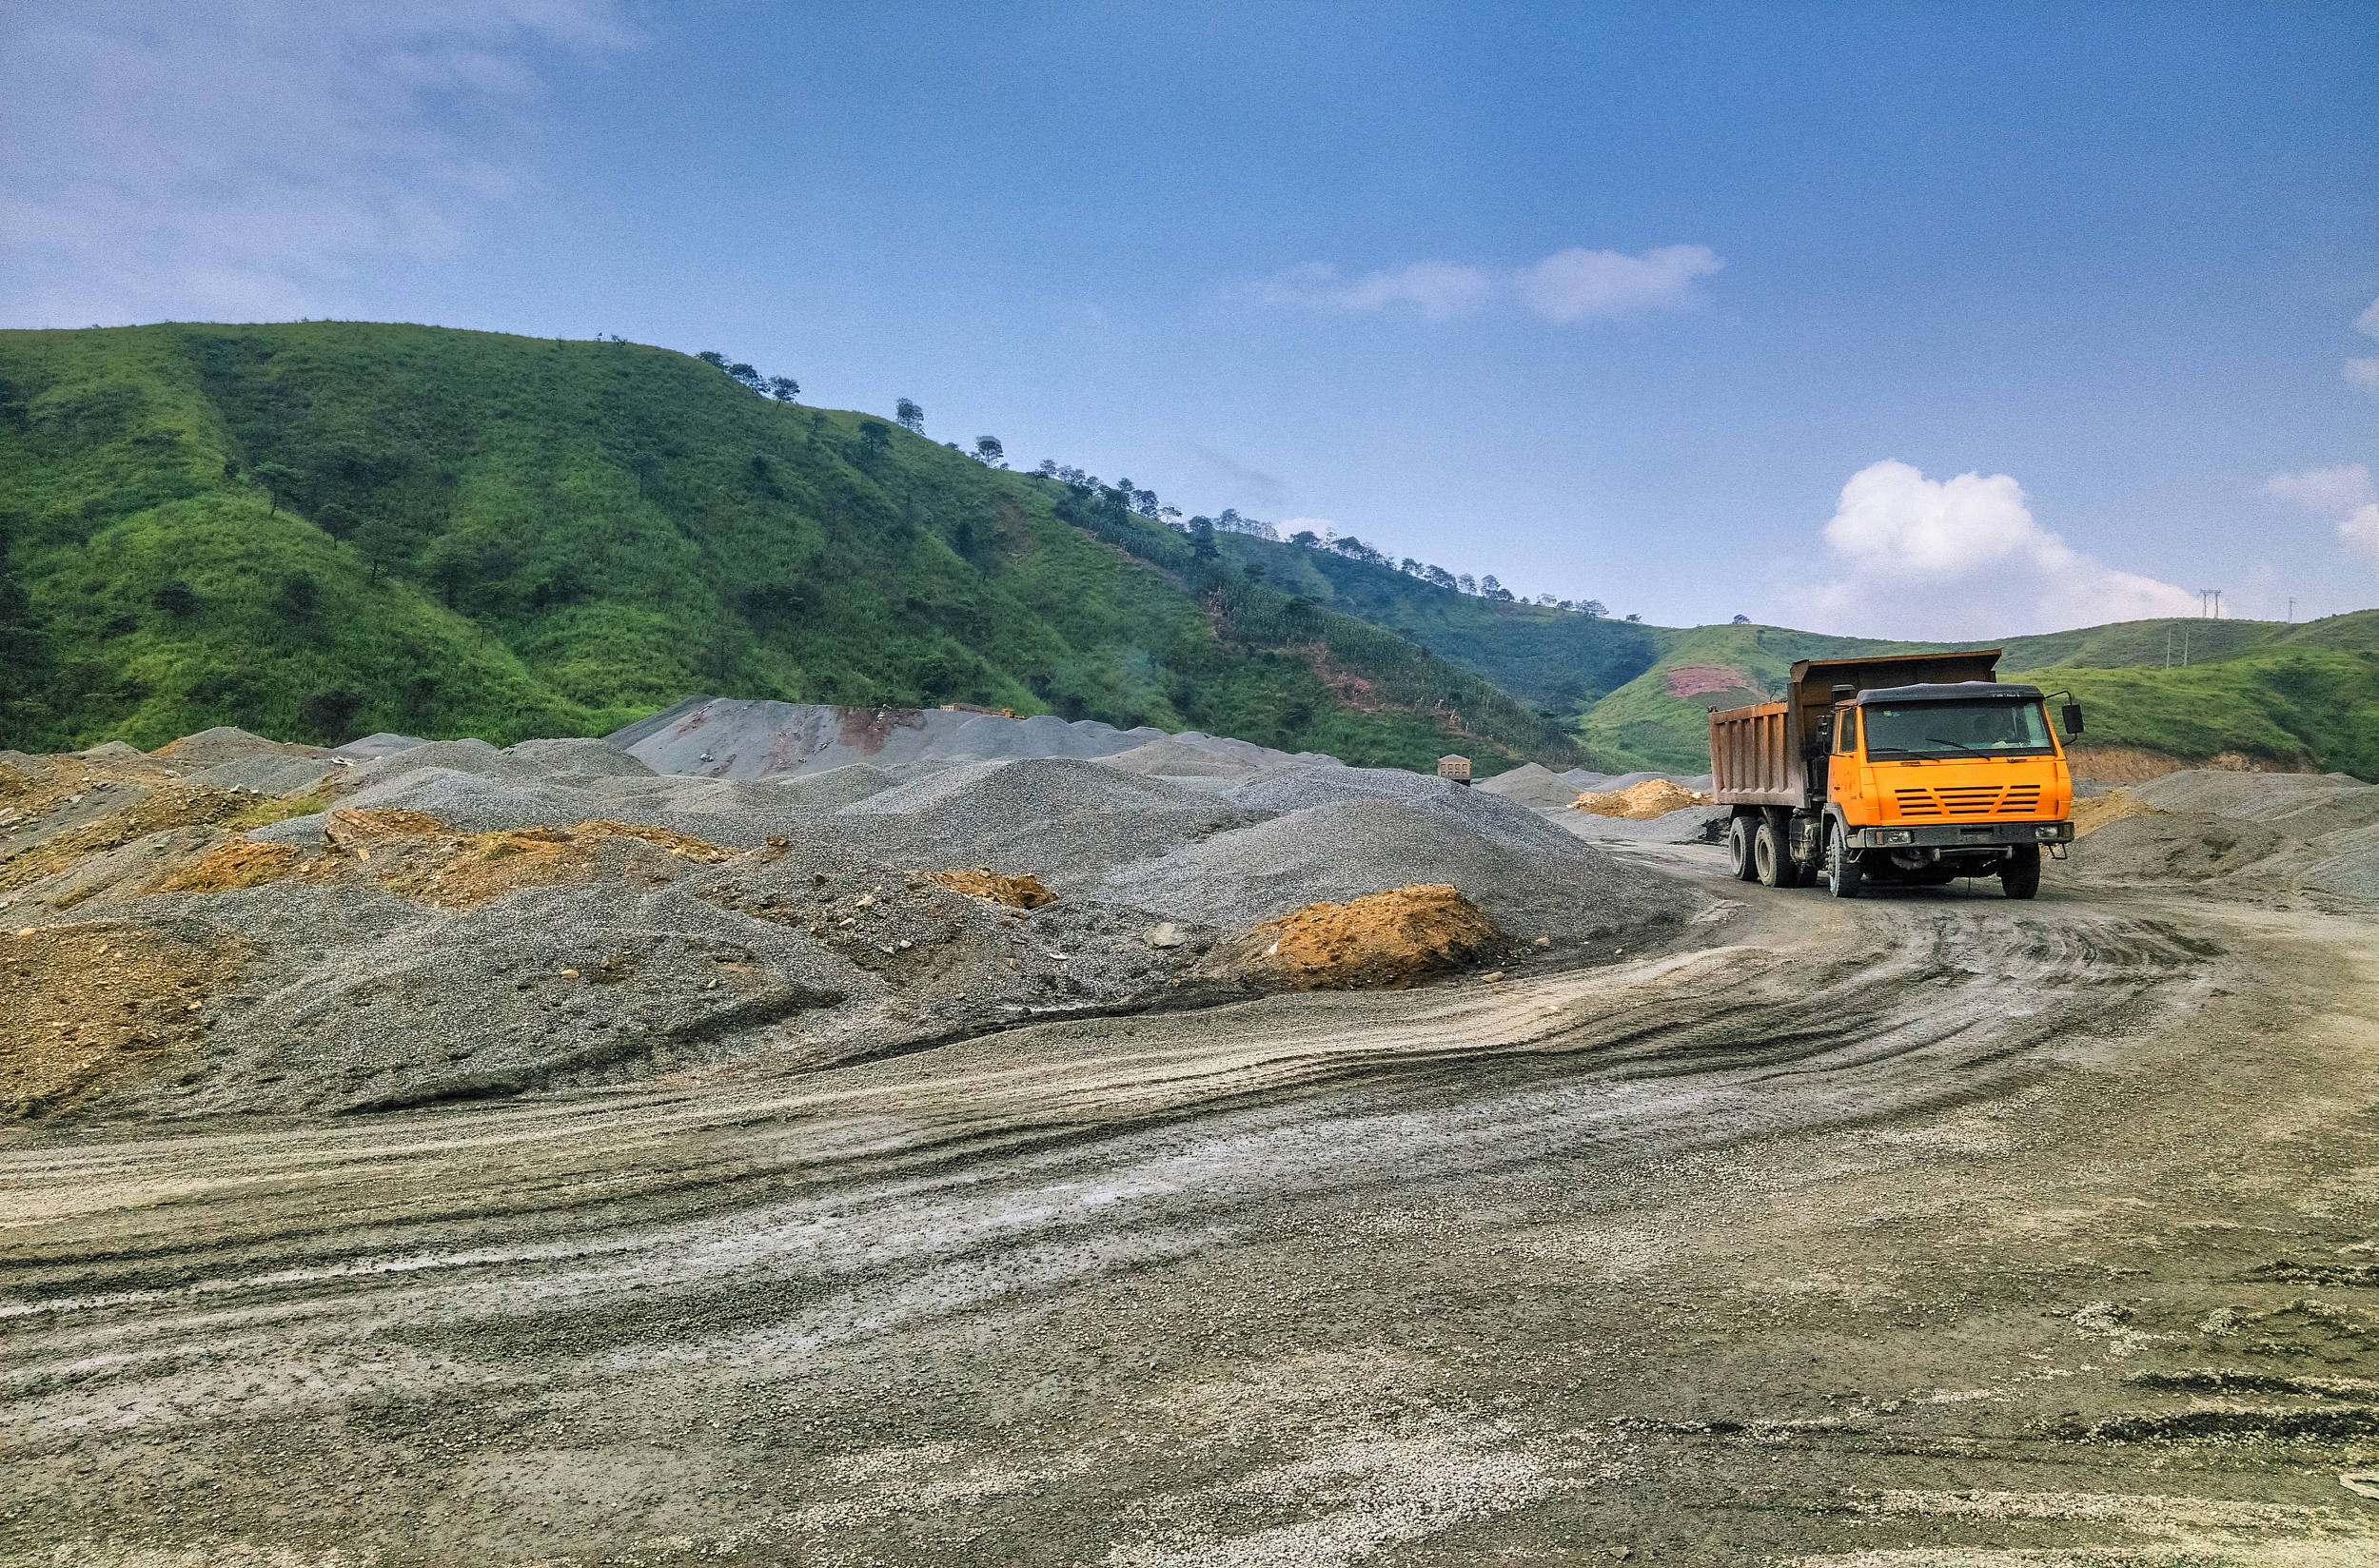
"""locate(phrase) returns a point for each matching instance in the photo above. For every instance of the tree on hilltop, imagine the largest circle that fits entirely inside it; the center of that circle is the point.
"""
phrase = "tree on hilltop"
(784, 389)
(989, 452)
(909, 416)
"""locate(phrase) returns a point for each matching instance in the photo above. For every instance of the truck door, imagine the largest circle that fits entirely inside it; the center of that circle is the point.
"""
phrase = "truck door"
(1841, 785)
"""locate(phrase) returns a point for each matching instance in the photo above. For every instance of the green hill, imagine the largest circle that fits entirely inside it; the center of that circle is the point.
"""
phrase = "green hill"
(320, 529)
(1638, 696)
(1554, 659)
(327, 528)
(2297, 697)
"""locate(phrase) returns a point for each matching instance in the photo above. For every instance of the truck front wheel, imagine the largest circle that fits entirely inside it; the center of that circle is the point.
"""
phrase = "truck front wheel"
(1844, 876)
(1738, 856)
(2019, 873)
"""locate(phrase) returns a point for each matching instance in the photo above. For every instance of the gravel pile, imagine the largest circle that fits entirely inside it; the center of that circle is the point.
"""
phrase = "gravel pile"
(2255, 796)
(377, 1003)
(1064, 820)
(226, 743)
(817, 936)
(726, 738)
(266, 772)
(1173, 759)
(1531, 784)
(2306, 830)
(2175, 847)
(1531, 879)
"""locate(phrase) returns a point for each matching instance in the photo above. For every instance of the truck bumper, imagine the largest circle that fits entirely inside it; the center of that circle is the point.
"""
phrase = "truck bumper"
(1949, 835)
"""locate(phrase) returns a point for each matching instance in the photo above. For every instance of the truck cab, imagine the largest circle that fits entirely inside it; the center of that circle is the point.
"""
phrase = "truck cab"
(1865, 775)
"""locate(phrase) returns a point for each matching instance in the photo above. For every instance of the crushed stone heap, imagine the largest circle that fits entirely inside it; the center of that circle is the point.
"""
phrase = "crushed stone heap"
(242, 926)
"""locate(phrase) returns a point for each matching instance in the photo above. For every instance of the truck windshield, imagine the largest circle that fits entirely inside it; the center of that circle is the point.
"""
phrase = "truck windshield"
(1957, 729)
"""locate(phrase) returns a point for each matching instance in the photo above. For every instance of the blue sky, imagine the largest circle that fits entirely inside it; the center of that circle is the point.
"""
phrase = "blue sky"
(1696, 310)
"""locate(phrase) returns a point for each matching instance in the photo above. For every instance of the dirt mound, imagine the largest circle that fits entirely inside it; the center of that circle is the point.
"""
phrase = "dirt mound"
(1641, 802)
(1389, 939)
(414, 856)
(149, 812)
(2091, 813)
(2175, 847)
(224, 743)
(1018, 892)
(86, 1008)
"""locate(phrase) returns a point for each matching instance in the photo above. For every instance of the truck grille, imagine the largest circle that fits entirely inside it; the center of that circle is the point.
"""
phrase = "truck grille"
(1977, 800)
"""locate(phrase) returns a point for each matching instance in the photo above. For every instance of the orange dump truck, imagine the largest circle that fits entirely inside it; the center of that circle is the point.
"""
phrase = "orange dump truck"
(1912, 769)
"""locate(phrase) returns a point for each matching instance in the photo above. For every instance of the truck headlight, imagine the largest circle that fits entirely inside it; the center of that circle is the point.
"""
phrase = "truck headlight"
(1892, 835)
(2049, 830)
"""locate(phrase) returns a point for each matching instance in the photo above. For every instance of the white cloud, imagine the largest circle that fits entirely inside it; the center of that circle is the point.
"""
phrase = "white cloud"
(2332, 490)
(2364, 373)
(159, 159)
(1573, 284)
(2343, 492)
(1570, 286)
(1962, 556)
(1438, 290)
(2368, 322)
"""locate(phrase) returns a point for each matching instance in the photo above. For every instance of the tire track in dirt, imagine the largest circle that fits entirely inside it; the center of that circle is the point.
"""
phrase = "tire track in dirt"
(484, 1271)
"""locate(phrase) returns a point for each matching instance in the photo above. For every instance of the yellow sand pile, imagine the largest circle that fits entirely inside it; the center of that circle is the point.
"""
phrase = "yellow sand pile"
(1388, 939)
(1651, 798)
(1018, 892)
(2098, 811)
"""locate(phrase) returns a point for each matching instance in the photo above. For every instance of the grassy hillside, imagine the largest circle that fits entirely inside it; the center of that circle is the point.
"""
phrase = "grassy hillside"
(1550, 658)
(1637, 696)
(325, 528)
(2302, 696)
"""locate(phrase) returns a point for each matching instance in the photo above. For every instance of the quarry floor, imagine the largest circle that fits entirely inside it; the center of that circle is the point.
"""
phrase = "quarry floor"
(1930, 1228)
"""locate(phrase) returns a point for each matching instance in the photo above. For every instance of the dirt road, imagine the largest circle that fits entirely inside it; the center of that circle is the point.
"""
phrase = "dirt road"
(1930, 1228)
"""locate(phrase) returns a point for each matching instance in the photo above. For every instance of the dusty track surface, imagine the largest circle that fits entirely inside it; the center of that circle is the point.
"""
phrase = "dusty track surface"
(1926, 1229)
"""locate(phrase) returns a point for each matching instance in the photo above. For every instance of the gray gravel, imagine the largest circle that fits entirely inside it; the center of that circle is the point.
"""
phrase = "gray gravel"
(2306, 830)
(266, 772)
(824, 941)
(1530, 877)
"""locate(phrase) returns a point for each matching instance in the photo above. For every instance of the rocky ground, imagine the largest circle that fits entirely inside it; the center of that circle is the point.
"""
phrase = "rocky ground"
(1923, 1230)
(231, 926)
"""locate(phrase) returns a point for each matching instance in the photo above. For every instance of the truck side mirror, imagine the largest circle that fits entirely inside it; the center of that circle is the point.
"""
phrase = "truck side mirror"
(2073, 720)
(1821, 736)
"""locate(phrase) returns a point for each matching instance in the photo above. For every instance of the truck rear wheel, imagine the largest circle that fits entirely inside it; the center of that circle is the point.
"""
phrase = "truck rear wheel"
(1770, 856)
(2019, 873)
(1738, 856)
(1844, 874)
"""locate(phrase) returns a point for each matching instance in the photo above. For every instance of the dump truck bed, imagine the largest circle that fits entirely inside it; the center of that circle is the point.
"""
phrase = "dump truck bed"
(1758, 755)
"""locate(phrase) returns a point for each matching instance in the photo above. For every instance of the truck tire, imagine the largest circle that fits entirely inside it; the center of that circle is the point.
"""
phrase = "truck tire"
(2019, 873)
(1771, 858)
(1844, 874)
(1738, 856)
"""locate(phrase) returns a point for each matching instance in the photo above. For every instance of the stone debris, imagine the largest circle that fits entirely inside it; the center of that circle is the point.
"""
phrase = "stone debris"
(1021, 892)
(437, 920)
